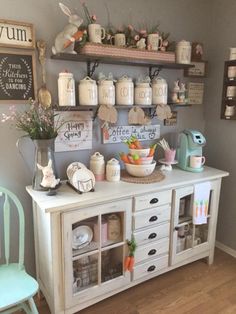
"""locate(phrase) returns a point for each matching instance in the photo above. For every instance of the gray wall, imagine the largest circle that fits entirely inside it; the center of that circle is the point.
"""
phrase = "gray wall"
(184, 19)
(221, 133)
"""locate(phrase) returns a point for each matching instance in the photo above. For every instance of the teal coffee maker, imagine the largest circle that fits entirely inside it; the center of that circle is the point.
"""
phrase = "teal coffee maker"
(190, 143)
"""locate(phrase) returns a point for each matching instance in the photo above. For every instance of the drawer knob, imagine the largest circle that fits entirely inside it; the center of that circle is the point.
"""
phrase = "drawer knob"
(153, 218)
(154, 200)
(151, 268)
(152, 252)
(152, 235)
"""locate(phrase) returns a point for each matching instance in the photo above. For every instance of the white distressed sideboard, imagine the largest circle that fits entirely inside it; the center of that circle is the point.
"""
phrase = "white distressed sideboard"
(72, 278)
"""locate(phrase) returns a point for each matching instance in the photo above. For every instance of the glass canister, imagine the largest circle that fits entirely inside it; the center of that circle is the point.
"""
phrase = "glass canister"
(183, 52)
(106, 92)
(88, 92)
(113, 170)
(97, 166)
(125, 91)
(114, 227)
(142, 93)
(66, 89)
(159, 91)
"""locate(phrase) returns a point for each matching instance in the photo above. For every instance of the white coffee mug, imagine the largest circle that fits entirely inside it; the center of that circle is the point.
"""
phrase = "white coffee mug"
(231, 72)
(182, 230)
(197, 161)
(96, 33)
(154, 41)
(180, 244)
(229, 111)
(119, 40)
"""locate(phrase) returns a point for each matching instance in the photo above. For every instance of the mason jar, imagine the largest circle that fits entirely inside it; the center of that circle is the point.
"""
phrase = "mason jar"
(159, 91)
(106, 92)
(66, 89)
(125, 91)
(183, 52)
(143, 94)
(88, 93)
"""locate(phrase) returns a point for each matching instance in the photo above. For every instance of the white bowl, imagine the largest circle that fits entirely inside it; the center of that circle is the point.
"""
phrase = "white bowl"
(140, 170)
(144, 152)
(143, 160)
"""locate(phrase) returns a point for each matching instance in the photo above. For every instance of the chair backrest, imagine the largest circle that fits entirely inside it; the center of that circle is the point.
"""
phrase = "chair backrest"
(11, 201)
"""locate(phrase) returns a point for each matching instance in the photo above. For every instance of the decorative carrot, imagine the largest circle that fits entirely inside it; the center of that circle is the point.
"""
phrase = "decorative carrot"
(76, 36)
(152, 150)
(127, 263)
(124, 158)
(130, 258)
(131, 264)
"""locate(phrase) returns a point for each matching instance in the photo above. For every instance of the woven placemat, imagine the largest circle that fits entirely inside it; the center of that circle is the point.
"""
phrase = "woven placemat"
(156, 176)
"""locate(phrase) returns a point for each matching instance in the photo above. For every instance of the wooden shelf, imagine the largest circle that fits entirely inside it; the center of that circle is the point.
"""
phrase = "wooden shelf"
(120, 61)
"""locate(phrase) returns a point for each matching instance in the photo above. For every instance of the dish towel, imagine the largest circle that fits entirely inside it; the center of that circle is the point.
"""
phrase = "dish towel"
(201, 203)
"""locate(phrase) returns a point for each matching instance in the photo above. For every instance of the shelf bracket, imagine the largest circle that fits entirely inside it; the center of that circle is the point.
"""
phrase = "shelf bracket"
(155, 73)
(90, 71)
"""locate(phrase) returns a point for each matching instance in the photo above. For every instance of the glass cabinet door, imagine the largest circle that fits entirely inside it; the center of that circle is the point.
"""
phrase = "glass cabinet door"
(94, 241)
(188, 238)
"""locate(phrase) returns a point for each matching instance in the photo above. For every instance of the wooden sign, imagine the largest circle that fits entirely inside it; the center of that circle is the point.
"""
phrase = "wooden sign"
(199, 69)
(17, 34)
(120, 133)
(171, 121)
(195, 93)
(76, 132)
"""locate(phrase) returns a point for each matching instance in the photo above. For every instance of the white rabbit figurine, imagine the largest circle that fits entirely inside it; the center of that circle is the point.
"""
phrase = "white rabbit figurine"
(49, 179)
(61, 40)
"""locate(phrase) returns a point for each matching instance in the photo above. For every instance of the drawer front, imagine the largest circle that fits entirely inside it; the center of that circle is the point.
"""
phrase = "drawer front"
(152, 234)
(151, 217)
(152, 200)
(150, 267)
(145, 252)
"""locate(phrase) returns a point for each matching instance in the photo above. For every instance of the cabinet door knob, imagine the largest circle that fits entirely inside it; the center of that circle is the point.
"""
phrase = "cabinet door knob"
(154, 200)
(151, 268)
(176, 228)
(152, 235)
(153, 218)
(152, 252)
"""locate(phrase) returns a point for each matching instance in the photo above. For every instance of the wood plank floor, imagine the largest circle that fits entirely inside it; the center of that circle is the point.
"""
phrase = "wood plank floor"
(195, 288)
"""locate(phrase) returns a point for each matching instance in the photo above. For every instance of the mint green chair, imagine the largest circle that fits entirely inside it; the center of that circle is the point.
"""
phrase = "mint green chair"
(17, 288)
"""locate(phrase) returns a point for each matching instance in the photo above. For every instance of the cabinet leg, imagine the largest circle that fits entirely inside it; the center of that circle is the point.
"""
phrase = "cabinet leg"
(210, 258)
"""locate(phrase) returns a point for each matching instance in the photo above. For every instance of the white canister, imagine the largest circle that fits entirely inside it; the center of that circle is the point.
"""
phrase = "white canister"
(125, 91)
(143, 94)
(232, 53)
(88, 92)
(106, 92)
(66, 89)
(183, 52)
(231, 72)
(97, 166)
(159, 91)
(231, 91)
(113, 170)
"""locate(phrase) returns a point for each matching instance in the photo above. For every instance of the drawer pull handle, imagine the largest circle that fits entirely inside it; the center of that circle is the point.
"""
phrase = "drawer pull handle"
(152, 235)
(154, 200)
(151, 268)
(153, 218)
(152, 252)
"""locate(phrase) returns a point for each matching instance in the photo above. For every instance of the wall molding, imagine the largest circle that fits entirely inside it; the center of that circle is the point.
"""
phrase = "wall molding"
(226, 249)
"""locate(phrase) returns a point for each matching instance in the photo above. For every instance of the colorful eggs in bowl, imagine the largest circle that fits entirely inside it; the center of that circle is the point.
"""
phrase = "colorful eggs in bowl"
(140, 170)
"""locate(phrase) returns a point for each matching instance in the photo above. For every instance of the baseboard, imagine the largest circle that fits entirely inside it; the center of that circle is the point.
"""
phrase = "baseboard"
(226, 249)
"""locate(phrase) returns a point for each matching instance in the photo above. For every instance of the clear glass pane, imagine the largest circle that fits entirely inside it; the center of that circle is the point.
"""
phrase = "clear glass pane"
(184, 237)
(85, 273)
(112, 228)
(201, 233)
(85, 236)
(112, 263)
(185, 208)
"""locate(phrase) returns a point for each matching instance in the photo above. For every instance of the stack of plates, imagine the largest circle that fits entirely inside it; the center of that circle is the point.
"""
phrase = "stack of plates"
(81, 237)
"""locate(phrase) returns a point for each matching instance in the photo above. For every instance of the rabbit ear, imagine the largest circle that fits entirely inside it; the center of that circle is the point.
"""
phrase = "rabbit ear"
(65, 9)
(39, 166)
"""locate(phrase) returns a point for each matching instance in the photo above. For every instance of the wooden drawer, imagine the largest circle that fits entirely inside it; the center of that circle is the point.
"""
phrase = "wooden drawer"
(152, 200)
(150, 267)
(151, 217)
(152, 234)
(151, 250)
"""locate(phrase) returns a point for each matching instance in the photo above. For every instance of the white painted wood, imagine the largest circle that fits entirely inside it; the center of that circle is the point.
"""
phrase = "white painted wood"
(151, 217)
(152, 200)
(151, 250)
(152, 234)
(226, 249)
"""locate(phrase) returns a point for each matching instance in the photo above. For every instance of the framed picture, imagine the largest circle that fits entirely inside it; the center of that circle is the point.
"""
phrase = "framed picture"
(17, 34)
(17, 76)
(199, 69)
(195, 93)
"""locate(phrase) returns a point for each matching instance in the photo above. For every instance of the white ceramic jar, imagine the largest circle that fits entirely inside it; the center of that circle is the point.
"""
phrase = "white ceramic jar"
(88, 92)
(97, 166)
(66, 89)
(159, 91)
(125, 91)
(231, 91)
(183, 52)
(231, 72)
(113, 170)
(143, 94)
(106, 92)
(232, 54)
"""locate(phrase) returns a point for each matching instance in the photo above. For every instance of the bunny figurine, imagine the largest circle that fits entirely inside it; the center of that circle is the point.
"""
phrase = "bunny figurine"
(49, 179)
(69, 33)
